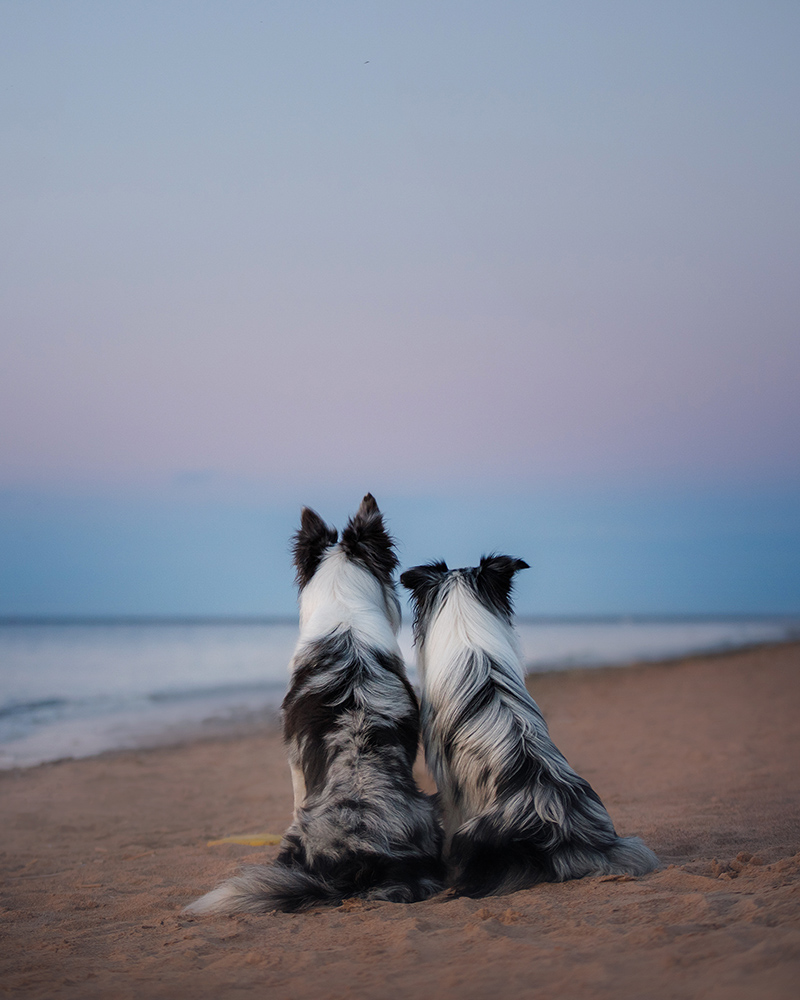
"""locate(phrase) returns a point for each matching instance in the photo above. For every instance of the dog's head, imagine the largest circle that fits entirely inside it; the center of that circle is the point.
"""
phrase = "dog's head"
(490, 583)
(364, 539)
(354, 571)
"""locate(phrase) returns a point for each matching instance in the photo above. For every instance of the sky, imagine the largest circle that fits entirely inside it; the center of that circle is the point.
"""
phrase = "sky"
(526, 271)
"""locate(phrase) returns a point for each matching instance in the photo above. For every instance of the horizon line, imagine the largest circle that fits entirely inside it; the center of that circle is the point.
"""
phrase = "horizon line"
(285, 619)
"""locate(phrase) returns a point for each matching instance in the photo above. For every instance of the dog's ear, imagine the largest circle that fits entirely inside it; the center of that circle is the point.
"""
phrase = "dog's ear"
(494, 578)
(310, 542)
(367, 539)
(422, 580)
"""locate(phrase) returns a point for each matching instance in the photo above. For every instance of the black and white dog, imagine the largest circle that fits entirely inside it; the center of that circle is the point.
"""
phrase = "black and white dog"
(514, 811)
(361, 826)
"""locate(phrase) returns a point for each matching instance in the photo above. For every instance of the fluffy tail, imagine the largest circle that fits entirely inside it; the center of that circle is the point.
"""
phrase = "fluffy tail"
(493, 868)
(290, 888)
(630, 856)
(263, 888)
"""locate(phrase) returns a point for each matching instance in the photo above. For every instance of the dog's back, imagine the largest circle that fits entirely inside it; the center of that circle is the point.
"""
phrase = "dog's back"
(351, 725)
(515, 812)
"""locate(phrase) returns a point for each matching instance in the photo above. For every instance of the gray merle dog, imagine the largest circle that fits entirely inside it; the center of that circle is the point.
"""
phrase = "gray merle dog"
(361, 826)
(514, 811)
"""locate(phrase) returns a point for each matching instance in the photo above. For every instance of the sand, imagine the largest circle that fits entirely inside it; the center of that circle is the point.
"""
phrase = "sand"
(699, 757)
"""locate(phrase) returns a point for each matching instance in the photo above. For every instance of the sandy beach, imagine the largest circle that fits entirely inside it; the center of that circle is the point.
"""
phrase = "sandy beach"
(699, 757)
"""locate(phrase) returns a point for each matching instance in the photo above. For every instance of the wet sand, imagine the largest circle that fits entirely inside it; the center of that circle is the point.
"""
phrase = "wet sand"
(700, 757)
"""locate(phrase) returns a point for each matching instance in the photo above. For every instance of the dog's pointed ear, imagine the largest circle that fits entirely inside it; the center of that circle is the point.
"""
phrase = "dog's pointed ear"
(367, 539)
(422, 580)
(310, 541)
(495, 578)
(368, 507)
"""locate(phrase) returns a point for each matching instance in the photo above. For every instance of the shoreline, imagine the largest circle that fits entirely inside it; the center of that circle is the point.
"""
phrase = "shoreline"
(245, 722)
(696, 755)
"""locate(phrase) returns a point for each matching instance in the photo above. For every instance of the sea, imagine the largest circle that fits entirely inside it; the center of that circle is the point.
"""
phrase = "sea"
(76, 688)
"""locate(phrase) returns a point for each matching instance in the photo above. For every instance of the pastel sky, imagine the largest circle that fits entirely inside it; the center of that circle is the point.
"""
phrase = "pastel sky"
(527, 270)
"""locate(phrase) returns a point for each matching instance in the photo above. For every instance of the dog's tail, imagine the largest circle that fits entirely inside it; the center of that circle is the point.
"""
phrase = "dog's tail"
(489, 866)
(291, 888)
(629, 856)
(263, 888)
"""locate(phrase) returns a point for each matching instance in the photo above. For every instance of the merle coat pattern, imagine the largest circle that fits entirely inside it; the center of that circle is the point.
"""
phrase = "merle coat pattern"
(361, 826)
(514, 811)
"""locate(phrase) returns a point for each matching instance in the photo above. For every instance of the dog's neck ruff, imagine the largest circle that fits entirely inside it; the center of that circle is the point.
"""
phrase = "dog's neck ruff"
(343, 595)
(462, 623)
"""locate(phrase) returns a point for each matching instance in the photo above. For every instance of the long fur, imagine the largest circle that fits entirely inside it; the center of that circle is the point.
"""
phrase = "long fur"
(515, 813)
(351, 725)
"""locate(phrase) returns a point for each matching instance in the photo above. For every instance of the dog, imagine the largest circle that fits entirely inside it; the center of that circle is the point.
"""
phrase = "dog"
(361, 827)
(514, 812)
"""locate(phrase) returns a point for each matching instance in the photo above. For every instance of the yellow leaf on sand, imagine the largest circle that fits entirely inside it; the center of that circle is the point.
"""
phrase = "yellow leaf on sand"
(252, 839)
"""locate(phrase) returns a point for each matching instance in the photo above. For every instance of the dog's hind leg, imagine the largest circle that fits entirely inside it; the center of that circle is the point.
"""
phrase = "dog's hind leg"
(298, 787)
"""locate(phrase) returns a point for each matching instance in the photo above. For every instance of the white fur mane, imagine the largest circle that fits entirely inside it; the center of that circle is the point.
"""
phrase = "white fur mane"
(343, 595)
(462, 622)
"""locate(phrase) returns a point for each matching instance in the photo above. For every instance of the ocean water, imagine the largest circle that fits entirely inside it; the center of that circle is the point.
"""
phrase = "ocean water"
(80, 688)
